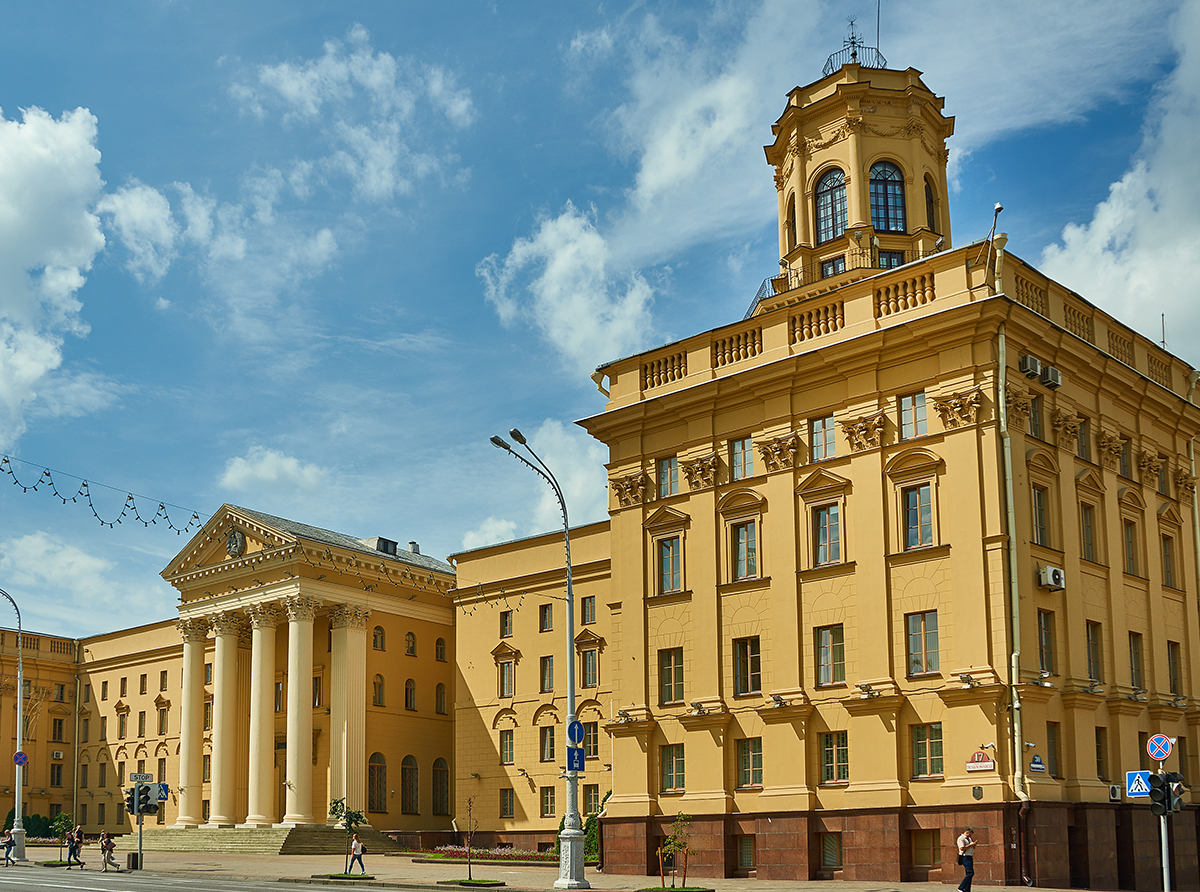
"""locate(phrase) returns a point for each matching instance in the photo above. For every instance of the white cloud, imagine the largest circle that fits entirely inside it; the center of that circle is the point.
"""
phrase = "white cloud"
(142, 219)
(578, 463)
(491, 531)
(268, 468)
(1137, 256)
(587, 46)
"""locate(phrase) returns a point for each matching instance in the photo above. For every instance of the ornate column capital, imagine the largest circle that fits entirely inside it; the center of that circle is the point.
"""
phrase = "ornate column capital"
(631, 490)
(263, 616)
(193, 630)
(779, 453)
(701, 472)
(301, 609)
(1066, 429)
(959, 409)
(227, 624)
(864, 433)
(349, 616)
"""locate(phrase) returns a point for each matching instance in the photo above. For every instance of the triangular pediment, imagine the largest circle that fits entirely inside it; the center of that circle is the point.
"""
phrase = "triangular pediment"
(666, 519)
(821, 484)
(161, 702)
(1169, 514)
(59, 709)
(229, 535)
(504, 651)
(1089, 479)
(587, 639)
(121, 706)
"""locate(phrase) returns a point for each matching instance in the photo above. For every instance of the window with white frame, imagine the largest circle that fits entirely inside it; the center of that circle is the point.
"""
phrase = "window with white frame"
(822, 444)
(913, 422)
(741, 458)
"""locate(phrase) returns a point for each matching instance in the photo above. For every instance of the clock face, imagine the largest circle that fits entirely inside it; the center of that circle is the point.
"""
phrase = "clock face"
(235, 545)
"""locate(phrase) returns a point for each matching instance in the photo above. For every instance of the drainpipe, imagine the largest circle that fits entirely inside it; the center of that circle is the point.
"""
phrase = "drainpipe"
(1193, 377)
(1014, 669)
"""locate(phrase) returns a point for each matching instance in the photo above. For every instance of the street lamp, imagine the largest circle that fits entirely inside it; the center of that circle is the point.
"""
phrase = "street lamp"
(18, 828)
(570, 841)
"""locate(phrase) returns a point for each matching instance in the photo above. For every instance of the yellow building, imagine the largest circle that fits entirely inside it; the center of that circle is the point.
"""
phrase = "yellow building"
(911, 547)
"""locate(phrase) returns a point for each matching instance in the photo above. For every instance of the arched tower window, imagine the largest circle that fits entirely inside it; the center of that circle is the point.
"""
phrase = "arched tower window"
(410, 694)
(377, 691)
(409, 803)
(439, 650)
(377, 639)
(930, 206)
(790, 222)
(441, 787)
(439, 698)
(377, 783)
(831, 205)
(410, 644)
(887, 197)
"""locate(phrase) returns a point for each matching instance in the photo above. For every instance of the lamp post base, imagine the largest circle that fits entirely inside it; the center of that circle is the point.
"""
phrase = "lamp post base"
(570, 861)
(18, 835)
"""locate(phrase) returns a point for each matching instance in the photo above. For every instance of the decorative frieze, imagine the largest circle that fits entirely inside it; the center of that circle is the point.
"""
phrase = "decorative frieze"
(301, 609)
(779, 453)
(1110, 449)
(701, 473)
(864, 433)
(1016, 401)
(631, 490)
(1066, 429)
(349, 616)
(263, 616)
(959, 409)
(1185, 483)
(1150, 464)
(192, 630)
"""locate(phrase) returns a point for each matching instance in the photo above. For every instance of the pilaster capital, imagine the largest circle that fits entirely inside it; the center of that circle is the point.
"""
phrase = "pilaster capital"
(301, 609)
(349, 616)
(227, 624)
(193, 630)
(263, 616)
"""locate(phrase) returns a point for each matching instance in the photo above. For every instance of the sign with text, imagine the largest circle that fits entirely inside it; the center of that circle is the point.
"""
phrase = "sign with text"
(141, 778)
(981, 761)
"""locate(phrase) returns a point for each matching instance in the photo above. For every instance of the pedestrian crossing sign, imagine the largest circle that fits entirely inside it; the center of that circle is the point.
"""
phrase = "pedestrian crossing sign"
(1137, 784)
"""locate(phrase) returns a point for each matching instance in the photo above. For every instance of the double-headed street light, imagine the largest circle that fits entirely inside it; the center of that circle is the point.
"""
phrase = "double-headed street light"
(18, 828)
(570, 841)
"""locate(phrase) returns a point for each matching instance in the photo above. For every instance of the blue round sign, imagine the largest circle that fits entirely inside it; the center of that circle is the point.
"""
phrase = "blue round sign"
(1159, 747)
(20, 758)
(575, 733)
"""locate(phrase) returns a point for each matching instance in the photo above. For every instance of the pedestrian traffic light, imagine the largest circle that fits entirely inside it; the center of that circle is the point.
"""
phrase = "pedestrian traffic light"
(1160, 795)
(131, 800)
(1175, 791)
(146, 805)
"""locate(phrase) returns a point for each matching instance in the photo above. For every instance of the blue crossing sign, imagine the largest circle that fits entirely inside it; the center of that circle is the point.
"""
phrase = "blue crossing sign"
(1159, 747)
(164, 792)
(575, 758)
(1137, 784)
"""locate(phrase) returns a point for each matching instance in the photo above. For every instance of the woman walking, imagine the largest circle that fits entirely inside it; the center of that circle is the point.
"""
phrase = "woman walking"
(356, 853)
(9, 842)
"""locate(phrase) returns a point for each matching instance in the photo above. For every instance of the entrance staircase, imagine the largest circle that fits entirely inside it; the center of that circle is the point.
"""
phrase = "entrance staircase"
(316, 839)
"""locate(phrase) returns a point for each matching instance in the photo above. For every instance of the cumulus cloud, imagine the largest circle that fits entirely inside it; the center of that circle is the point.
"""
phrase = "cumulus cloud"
(491, 531)
(578, 463)
(263, 468)
(1140, 249)
(142, 219)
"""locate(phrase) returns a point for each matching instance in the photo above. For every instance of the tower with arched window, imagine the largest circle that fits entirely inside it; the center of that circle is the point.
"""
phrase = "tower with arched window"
(860, 167)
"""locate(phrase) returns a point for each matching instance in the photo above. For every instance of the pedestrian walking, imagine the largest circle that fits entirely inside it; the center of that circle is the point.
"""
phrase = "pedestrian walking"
(966, 857)
(107, 846)
(9, 842)
(74, 844)
(357, 850)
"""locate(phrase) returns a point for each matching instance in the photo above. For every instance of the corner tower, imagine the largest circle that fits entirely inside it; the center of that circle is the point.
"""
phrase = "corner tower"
(860, 168)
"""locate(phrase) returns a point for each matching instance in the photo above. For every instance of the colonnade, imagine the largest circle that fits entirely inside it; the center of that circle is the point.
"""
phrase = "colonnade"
(253, 628)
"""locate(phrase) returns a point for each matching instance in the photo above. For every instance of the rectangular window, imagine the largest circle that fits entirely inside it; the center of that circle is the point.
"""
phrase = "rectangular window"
(208, 718)
(741, 458)
(546, 674)
(120, 774)
(122, 725)
(506, 747)
(591, 740)
(1035, 417)
(670, 671)
(162, 722)
(125, 687)
(745, 550)
(84, 726)
(891, 259)
(591, 668)
(747, 666)
(56, 731)
(912, 416)
(1083, 443)
(918, 516)
(508, 803)
(670, 570)
(56, 774)
(1041, 521)
(546, 740)
(821, 438)
(833, 266)
(162, 680)
(749, 762)
(922, 642)
(1094, 651)
(1131, 538)
(1162, 475)
(103, 779)
(1143, 756)
(831, 849)
(1135, 661)
(926, 848)
(206, 767)
(547, 802)
(87, 693)
(104, 690)
(835, 757)
(546, 618)
(587, 609)
(104, 727)
(831, 655)
(100, 809)
(1052, 749)
(927, 749)
(827, 535)
(1087, 531)
(591, 799)
(1102, 753)
(1126, 462)
(746, 853)
(208, 676)
(83, 776)
(278, 701)
(1046, 641)
(1168, 561)
(506, 678)
(668, 476)
(506, 628)
(162, 772)
(60, 693)
(1174, 668)
(672, 767)
(142, 684)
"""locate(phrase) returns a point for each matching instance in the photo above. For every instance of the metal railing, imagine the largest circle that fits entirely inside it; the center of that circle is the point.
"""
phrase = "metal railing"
(796, 277)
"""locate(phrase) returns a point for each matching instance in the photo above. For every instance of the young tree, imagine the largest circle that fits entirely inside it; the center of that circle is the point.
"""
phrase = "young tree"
(469, 833)
(676, 843)
(350, 819)
(59, 827)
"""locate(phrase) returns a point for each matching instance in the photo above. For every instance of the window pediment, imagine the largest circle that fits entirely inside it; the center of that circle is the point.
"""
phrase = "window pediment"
(161, 702)
(1169, 514)
(822, 484)
(1089, 479)
(59, 709)
(546, 715)
(742, 501)
(913, 464)
(587, 640)
(1039, 459)
(666, 519)
(504, 719)
(503, 652)
(1130, 497)
(121, 707)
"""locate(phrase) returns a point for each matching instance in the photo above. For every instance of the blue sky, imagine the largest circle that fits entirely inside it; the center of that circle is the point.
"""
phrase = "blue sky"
(308, 257)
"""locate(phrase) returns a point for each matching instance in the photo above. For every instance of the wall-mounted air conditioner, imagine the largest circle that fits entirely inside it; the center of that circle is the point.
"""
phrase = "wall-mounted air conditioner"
(1114, 792)
(1051, 377)
(1052, 578)
(1031, 366)
(56, 754)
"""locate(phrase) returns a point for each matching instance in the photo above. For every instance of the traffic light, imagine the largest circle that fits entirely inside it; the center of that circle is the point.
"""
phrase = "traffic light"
(1175, 791)
(146, 805)
(1160, 795)
(131, 800)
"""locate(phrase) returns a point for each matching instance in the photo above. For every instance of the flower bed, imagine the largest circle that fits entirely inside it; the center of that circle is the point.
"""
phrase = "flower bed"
(499, 853)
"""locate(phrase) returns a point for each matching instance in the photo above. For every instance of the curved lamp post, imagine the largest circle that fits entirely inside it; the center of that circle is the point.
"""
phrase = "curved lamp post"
(18, 828)
(570, 841)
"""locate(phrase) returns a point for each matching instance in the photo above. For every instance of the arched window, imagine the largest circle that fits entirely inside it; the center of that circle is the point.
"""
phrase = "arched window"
(831, 205)
(410, 644)
(377, 638)
(409, 802)
(439, 698)
(789, 223)
(441, 787)
(930, 206)
(377, 691)
(377, 783)
(410, 694)
(887, 197)
(439, 650)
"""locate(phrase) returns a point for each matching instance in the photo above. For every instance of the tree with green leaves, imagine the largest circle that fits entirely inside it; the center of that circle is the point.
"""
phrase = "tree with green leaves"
(674, 844)
(349, 818)
(60, 825)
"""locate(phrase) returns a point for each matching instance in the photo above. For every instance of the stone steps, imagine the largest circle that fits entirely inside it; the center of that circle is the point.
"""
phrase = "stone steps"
(309, 840)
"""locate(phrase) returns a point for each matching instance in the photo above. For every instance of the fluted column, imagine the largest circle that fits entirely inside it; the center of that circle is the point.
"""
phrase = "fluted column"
(300, 613)
(228, 627)
(191, 723)
(262, 803)
(348, 708)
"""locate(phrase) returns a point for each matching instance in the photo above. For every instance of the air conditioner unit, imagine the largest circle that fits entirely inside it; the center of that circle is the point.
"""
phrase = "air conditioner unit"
(1051, 377)
(1052, 578)
(1114, 792)
(1031, 366)
(56, 754)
